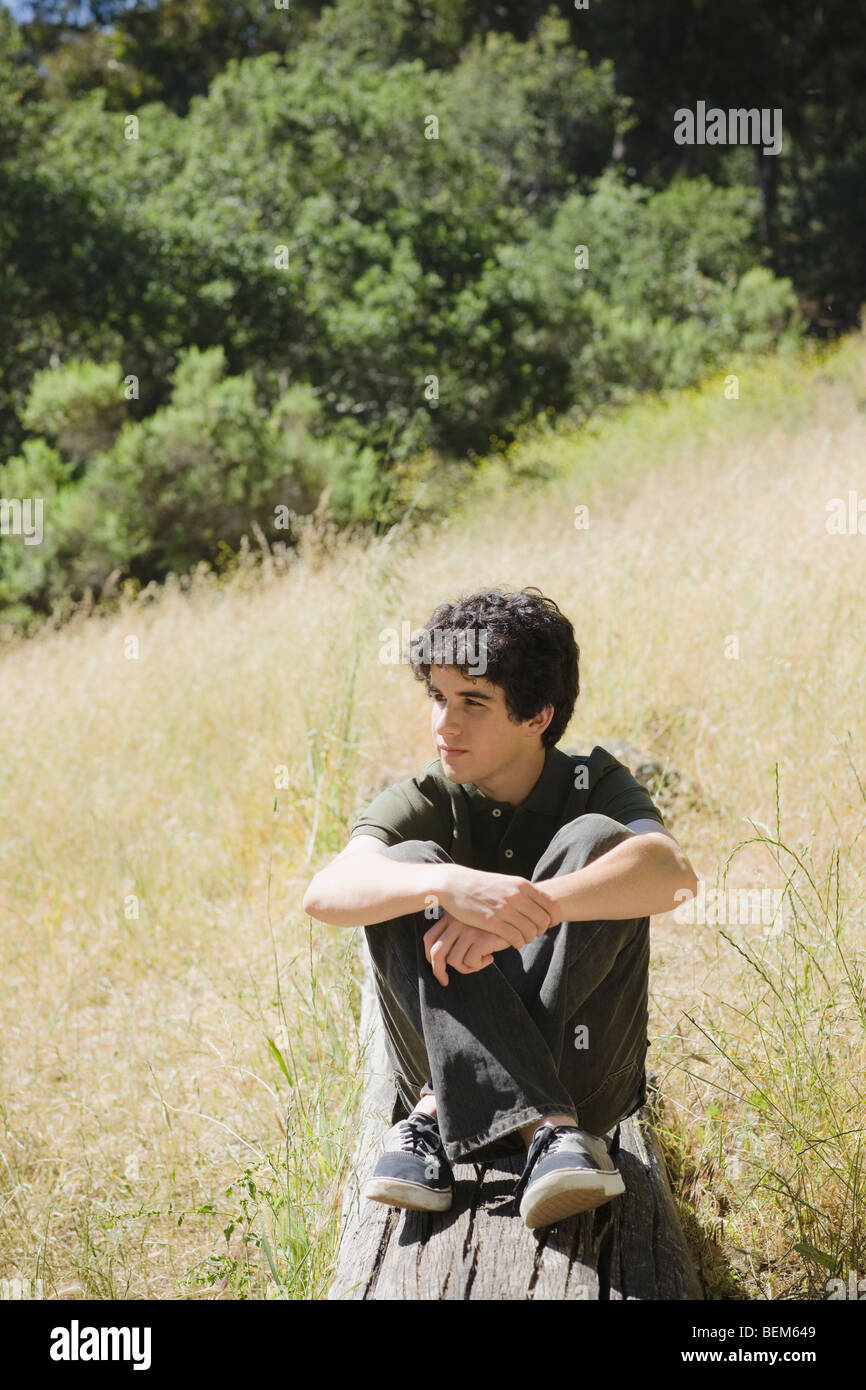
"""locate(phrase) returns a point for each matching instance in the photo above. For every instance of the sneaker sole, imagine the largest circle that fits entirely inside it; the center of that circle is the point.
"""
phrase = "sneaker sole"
(565, 1194)
(396, 1192)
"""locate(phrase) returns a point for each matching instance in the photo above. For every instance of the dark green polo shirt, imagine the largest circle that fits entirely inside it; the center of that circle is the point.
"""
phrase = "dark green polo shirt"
(495, 835)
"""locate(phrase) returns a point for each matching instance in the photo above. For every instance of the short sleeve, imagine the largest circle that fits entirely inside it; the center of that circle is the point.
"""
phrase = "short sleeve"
(401, 812)
(618, 794)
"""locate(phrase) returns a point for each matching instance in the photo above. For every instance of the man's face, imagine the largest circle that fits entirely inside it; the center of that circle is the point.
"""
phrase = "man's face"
(474, 735)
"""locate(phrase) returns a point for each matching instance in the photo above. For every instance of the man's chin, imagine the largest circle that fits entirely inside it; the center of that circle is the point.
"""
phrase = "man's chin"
(453, 770)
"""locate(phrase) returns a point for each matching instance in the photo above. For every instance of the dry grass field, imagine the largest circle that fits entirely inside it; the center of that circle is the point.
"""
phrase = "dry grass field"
(179, 1060)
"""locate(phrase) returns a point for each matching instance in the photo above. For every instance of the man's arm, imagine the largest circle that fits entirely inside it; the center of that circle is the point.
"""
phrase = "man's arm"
(362, 885)
(643, 875)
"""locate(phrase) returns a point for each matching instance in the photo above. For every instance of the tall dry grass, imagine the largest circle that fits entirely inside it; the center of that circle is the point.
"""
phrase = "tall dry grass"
(179, 1061)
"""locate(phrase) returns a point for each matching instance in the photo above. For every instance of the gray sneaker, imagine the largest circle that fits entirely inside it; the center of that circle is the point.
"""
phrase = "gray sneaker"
(568, 1170)
(413, 1170)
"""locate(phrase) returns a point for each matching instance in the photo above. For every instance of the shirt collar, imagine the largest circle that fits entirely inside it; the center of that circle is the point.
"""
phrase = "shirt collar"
(547, 797)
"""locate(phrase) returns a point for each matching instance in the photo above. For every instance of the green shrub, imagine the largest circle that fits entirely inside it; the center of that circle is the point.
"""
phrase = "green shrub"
(81, 406)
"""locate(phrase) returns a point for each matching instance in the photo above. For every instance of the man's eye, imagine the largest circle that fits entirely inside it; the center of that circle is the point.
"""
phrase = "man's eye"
(476, 704)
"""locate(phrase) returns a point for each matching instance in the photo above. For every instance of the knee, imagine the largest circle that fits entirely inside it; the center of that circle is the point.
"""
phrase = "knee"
(418, 851)
(379, 934)
(583, 839)
(594, 823)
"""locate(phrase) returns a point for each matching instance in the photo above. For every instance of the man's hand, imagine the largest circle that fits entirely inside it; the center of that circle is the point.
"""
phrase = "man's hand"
(466, 948)
(505, 905)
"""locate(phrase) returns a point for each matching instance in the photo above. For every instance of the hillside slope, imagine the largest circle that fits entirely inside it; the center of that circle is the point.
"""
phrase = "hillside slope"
(179, 1051)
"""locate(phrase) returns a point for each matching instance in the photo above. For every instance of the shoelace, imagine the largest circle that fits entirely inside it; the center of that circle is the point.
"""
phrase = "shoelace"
(417, 1138)
(545, 1140)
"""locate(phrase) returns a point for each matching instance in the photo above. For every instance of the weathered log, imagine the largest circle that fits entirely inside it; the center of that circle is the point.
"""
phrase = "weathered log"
(631, 1248)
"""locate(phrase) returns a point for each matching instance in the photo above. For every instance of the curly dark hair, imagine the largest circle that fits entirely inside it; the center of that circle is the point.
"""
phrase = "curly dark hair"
(530, 650)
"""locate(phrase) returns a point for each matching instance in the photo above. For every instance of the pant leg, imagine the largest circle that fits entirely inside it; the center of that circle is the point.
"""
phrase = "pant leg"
(494, 1043)
(586, 984)
(488, 1065)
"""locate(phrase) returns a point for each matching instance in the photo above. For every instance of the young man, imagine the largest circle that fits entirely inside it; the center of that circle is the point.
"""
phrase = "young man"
(505, 894)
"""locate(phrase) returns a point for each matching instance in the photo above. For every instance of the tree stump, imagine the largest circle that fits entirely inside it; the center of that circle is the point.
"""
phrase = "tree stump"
(631, 1248)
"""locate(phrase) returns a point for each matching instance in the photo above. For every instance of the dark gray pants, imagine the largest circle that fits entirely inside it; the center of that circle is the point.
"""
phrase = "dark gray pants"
(559, 1025)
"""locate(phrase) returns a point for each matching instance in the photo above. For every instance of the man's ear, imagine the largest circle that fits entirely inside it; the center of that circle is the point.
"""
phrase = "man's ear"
(539, 722)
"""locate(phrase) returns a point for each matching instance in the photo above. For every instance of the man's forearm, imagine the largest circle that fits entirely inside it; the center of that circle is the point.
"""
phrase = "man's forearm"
(366, 888)
(638, 877)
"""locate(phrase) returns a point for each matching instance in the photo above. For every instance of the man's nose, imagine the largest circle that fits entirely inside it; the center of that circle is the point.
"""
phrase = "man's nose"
(444, 720)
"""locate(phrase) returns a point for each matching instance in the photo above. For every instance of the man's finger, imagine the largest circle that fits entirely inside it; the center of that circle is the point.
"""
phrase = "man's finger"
(439, 951)
(536, 908)
(433, 933)
(529, 917)
(548, 903)
(527, 925)
(458, 952)
(497, 926)
(477, 957)
(517, 929)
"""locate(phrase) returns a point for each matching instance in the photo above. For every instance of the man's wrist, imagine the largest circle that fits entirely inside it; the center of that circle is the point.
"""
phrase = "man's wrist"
(556, 913)
(436, 880)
